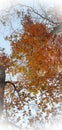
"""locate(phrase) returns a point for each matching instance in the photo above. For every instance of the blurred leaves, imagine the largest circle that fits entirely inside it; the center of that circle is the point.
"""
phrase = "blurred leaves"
(37, 59)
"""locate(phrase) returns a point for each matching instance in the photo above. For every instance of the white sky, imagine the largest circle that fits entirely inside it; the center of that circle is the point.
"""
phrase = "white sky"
(8, 3)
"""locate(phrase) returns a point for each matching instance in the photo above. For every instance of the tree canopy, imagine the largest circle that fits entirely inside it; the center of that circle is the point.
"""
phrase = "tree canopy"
(36, 62)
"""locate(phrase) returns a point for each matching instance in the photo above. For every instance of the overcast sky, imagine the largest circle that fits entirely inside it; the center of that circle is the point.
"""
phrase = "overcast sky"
(8, 3)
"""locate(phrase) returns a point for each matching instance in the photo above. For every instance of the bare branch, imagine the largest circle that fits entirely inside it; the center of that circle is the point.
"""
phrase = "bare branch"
(14, 87)
(11, 84)
(43, 17)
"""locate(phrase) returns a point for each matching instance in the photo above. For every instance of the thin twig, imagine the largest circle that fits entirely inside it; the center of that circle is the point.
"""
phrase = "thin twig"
(36, 12)
(14, 87)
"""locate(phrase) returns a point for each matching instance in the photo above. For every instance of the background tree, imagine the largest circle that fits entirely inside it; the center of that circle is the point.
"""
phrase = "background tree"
(4, 63)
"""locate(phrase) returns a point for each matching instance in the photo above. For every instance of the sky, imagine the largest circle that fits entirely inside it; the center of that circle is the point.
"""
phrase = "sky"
(8, 3)
(4, 4)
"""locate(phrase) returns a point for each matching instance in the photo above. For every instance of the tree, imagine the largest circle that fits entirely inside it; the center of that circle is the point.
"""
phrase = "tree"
(37, 46)
(4, 63)
(37, 56)
(36, 61)
(2, 84)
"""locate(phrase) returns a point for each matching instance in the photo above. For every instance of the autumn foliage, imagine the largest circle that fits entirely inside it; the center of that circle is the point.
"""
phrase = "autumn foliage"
(38, 56)
(4, 61)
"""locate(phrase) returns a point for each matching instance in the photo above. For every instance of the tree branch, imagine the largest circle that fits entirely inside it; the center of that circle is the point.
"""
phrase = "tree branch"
(14, 87)
(11, 84)
(43, 17)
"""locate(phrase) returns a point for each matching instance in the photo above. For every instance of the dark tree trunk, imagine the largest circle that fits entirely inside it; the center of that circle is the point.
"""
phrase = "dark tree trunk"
(2, 85)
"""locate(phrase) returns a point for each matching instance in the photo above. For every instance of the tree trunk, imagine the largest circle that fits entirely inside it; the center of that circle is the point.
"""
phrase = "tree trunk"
(2, 84)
